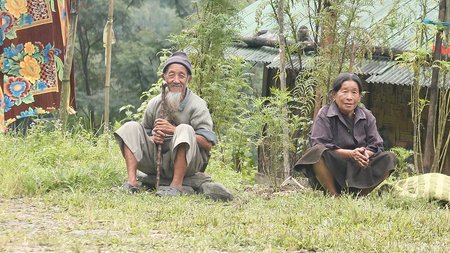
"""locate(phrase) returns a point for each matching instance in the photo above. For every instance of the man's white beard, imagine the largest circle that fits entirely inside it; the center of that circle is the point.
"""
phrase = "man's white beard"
(173, 100)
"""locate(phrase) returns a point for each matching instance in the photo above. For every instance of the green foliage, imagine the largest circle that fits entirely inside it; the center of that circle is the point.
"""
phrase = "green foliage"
(45, 160)
(218, 80)
(136, 57)
(221, 81)
(236, 150)
(303, 94)
(265, 122)
(418, 56)
(418, 61)
(227, 100)
(405, 166)
(226, 172)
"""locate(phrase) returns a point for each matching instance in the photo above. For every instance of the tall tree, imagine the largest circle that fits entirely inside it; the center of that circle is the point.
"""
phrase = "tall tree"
(65, 110)
(433, 90)
(282, 68)
(218, 78)
(214, 26)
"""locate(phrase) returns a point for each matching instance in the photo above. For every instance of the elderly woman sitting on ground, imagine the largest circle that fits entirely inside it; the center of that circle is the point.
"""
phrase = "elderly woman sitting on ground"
(346, 151)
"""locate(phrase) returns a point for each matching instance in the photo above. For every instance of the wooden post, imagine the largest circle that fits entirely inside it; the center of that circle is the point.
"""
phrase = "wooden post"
(64, 107)
(433, 90)
(109, 27)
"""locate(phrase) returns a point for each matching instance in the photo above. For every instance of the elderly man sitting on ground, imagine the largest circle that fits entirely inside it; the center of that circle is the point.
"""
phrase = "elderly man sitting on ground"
(185, 135)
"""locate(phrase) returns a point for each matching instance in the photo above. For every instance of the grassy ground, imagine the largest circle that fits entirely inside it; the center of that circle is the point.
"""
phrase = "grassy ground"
(56, 196)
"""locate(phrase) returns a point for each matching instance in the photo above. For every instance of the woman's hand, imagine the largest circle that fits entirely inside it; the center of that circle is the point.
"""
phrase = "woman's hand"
(361, 156)
(368, 153)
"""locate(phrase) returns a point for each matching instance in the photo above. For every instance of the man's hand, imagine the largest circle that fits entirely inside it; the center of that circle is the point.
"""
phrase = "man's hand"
(158, 137)
(162, 128)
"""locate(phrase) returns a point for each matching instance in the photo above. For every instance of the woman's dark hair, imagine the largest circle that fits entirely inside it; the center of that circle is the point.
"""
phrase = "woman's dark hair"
(342, 77)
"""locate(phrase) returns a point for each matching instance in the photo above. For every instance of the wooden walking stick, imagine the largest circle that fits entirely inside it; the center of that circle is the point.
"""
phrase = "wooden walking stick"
(162, 115)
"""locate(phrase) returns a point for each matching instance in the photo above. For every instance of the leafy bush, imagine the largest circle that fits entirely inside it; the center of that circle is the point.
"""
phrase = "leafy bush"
(405, 167)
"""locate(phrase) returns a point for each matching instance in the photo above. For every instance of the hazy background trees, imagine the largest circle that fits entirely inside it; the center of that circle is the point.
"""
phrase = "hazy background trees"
(141, 30)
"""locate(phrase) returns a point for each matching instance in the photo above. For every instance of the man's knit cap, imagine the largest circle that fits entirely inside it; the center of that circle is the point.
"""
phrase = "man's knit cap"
(180, 58)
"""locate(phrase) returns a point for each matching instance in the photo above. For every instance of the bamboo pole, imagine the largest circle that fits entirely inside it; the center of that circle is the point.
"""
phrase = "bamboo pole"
(64, 108)
(109, 27)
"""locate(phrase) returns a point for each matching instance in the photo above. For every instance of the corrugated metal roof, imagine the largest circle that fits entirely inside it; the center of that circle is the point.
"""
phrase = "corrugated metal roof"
(268, 55)
(401, 75)
(373, 67)
(400, 37)
(396, 75)
(266, 18)
(292, 63)
(378, 71)
(262, 54)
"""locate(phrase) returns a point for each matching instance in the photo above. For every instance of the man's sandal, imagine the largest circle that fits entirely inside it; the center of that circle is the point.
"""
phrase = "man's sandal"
(130, 188)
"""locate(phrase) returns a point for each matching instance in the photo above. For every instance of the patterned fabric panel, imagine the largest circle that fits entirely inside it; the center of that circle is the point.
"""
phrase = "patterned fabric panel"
(32, 40)
(430, 186)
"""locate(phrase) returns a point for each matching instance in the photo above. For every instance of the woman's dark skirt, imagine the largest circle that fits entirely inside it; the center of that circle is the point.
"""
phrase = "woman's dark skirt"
(347, 174)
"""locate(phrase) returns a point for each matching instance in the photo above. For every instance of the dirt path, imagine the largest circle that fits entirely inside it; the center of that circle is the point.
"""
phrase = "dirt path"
(21, 220)
(28, 225)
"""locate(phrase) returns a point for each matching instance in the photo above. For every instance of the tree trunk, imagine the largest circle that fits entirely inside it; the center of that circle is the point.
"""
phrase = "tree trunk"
(85, 46)
(433, 90)
(282, 68)
(327, 35)
(64, 107)
(83, 42)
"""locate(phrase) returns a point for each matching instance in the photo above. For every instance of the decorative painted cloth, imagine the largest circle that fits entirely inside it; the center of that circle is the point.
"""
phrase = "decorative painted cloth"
(434, 186)
(32, 42)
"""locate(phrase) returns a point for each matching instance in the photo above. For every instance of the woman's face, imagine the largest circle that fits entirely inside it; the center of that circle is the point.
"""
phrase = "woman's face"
(348, 97)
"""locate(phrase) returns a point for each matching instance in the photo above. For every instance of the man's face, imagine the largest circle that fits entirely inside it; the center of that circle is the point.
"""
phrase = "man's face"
(177, 78)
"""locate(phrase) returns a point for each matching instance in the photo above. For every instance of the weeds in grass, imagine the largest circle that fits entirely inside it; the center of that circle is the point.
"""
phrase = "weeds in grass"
(43, 161)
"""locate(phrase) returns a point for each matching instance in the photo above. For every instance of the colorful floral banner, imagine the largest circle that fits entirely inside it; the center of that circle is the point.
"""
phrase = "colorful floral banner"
(32, 40)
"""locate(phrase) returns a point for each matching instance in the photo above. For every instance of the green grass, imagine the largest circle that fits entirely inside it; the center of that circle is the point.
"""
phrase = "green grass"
(55, 195)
